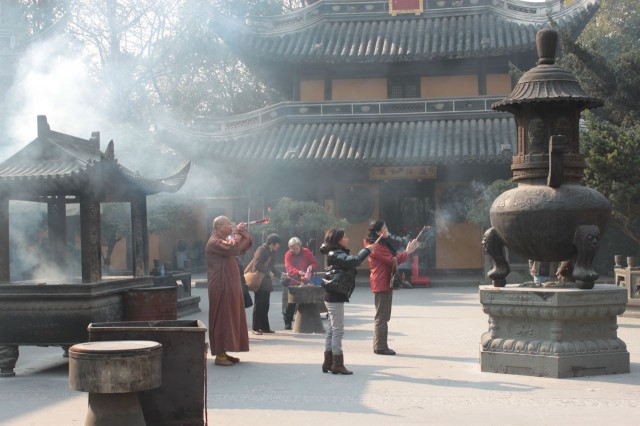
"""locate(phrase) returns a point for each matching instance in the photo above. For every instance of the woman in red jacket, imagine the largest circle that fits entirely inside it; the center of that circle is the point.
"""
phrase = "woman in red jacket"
(381, 261)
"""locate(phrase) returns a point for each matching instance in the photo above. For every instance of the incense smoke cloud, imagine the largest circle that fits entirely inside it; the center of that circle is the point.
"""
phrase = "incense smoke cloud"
(52, 80)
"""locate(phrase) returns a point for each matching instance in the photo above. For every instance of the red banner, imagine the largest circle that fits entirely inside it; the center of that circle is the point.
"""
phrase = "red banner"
(405, 6)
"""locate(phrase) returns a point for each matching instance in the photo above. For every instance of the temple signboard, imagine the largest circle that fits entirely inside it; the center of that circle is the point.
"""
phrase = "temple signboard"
(406, 172)
(405, 6)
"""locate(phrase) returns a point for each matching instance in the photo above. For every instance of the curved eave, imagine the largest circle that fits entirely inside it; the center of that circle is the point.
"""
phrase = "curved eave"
(483, 139)
(104, 177)
(461, 32)
(149, 186)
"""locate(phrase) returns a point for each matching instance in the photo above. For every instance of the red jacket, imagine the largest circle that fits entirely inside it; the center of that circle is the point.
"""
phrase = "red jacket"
(296, 265)
(381, 261)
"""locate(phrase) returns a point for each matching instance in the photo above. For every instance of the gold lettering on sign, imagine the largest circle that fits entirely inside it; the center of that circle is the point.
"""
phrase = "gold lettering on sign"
(406, 172)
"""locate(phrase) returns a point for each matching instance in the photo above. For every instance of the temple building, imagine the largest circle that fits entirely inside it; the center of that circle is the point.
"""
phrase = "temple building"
(389, 112)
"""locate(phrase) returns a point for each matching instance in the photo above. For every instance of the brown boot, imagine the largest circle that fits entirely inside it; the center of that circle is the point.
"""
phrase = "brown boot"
(338, 365)
(328, 360)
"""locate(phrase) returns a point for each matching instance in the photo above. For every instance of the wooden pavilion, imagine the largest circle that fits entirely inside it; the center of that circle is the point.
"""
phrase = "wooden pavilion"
(59, 169)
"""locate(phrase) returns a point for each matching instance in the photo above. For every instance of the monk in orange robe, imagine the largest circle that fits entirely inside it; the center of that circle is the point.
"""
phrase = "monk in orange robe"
(227, 318)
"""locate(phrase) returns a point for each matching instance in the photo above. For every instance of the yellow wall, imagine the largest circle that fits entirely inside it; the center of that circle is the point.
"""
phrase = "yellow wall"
(449, 86)
(458, 245)
(355, 89)
(312, 90)
(498, 84)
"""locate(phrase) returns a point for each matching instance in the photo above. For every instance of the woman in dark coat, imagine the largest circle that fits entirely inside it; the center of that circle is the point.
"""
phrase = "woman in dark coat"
(340, 266)
(264, 260)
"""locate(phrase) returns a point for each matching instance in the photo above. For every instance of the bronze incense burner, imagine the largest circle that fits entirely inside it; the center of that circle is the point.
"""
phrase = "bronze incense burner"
(551, 216)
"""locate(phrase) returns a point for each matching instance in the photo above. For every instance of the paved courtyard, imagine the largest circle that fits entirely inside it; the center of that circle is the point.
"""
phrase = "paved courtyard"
(435, 378)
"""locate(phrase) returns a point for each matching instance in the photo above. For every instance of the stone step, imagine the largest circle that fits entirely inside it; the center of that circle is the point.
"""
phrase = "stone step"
(188, 305)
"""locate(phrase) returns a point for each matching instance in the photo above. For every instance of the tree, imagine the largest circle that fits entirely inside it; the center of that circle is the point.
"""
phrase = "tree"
(163, 215)
(302, 219)
(605, 59)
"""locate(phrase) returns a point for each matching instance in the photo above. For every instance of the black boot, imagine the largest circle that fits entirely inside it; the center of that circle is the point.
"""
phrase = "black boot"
(328, 360)
(338, 366)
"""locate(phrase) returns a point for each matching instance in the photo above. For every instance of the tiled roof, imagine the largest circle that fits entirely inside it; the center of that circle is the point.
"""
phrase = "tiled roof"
(483, 139)
(363, 31)
(71, 163)
(55, 155)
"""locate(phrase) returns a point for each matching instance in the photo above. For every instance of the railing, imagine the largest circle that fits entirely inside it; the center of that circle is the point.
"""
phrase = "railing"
(334, 109)
(334, 9)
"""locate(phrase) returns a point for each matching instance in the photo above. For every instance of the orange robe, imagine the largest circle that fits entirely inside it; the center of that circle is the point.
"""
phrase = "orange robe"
(227, 318)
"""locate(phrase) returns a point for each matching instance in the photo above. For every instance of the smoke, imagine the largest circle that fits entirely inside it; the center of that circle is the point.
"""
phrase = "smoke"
(53, 80)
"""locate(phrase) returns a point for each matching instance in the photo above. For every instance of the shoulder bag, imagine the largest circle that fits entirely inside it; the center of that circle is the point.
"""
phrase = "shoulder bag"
(396, 278)
(333, 282)
(252, 276)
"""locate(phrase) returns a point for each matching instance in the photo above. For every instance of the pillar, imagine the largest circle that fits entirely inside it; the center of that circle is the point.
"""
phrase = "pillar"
(140, 236)
(90, 240)
(57, 223)
(5, 273)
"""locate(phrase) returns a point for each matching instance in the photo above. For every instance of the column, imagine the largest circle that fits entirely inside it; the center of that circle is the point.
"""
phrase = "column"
(90, 240)
(57, 222)
(5, 275)
(139, 236)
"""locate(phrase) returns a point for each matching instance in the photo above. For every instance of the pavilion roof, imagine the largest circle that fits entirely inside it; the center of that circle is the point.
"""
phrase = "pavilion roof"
(57, 163)
(359, 138)
(363, 31)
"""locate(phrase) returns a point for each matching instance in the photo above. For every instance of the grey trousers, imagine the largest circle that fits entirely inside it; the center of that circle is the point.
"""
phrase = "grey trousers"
(383, 303)
(335, 327)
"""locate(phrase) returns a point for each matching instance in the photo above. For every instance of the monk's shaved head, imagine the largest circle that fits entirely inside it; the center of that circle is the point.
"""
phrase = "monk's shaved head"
(220, 221)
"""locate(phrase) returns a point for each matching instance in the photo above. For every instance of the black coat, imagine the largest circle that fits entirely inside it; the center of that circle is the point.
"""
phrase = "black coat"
(339, 259)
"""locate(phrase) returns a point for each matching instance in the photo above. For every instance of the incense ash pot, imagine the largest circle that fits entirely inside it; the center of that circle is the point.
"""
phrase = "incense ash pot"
(551, 216)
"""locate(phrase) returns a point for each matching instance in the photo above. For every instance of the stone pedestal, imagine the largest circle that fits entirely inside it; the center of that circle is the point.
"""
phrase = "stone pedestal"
(553, 332)
(308, 318)
(113, 373)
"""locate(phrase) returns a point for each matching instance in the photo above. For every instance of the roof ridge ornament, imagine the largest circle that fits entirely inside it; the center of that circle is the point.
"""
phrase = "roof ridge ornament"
(43, 126)
(110, 152)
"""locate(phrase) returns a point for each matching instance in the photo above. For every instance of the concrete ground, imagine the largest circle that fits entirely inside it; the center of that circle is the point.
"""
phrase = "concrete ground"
(435, 379)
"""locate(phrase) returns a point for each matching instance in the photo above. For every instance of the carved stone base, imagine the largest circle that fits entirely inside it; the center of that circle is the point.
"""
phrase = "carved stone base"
(8, 358)
(553, 332)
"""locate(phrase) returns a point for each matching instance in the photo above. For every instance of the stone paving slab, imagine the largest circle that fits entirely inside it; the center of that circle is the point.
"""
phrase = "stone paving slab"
(434, 380)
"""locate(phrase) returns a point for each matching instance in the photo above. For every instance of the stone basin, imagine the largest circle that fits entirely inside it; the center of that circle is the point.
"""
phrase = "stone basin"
(57, 314)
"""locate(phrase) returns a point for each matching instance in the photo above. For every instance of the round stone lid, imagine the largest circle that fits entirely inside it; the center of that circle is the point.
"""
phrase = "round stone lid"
(115, 346)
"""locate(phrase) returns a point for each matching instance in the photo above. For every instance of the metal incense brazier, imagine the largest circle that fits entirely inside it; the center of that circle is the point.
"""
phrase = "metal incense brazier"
(550, 216)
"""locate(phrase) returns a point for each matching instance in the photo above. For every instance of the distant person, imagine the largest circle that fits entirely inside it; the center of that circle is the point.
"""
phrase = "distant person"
(227, 318)
(564, 273)
(542, 272)
(264, 260)
(300, 265)
(341, 266)
(381, 261)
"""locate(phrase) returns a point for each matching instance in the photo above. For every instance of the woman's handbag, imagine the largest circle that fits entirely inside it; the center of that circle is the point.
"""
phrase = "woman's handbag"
(252, 276)
(396, 278)
(253, 279)
(333, 282)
